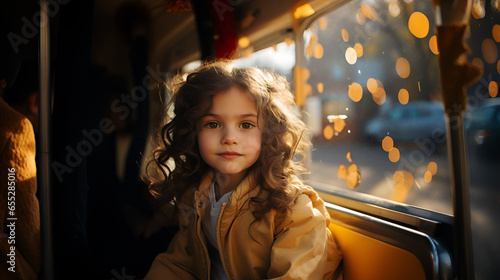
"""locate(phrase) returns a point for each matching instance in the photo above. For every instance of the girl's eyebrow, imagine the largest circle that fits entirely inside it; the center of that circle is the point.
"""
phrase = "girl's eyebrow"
(241, 116)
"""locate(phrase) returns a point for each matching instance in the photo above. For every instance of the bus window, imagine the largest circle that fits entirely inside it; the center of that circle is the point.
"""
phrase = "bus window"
(374, 107)
(279, 58)
(373, 100)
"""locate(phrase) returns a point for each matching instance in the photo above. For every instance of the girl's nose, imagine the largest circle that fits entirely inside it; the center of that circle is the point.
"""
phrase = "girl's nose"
(229, 137)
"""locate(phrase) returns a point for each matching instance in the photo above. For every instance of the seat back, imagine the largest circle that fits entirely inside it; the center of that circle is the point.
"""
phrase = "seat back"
(377, 249)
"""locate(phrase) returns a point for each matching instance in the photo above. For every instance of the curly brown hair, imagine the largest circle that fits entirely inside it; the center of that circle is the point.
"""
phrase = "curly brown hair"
(283, 134)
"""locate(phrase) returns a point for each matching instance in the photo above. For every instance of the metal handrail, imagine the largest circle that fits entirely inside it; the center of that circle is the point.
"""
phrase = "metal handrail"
(44, 176)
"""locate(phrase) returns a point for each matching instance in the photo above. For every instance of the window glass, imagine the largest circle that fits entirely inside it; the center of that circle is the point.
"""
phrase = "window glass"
(279, 58)
(375, 113)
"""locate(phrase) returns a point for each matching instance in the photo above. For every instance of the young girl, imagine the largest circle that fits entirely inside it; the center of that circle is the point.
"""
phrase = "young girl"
(227, 162)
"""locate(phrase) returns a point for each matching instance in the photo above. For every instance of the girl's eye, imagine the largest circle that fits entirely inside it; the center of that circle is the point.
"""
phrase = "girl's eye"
(246, 125)
(212, 125)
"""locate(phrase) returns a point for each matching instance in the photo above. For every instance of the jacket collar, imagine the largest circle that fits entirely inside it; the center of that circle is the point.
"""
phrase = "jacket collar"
(244, 191)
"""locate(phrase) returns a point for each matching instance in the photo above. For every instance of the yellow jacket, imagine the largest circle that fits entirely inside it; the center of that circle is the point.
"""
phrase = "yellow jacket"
(298, 245)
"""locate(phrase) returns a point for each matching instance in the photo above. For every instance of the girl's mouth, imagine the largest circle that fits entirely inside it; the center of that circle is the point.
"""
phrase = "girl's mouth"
(229, 155)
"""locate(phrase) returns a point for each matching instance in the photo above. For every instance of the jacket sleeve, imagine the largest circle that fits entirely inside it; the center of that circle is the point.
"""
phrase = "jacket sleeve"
(304, 247)
(18, 154)
(178, 262)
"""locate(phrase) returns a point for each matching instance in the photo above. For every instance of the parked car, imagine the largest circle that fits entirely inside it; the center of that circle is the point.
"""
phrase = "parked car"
(484, 129)
(417, 120)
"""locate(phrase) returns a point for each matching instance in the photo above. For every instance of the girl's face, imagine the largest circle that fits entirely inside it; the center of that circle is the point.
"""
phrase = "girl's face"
(230, 138)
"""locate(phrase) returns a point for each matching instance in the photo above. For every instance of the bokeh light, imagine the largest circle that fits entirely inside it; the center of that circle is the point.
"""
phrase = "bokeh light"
(403, 67)
(394, 154)
(348, 156)
(338, 124)
(323, 23)
(359, 49)
(476, 61)
(353, 176)
(489, 49)
(345, 35)
(478, 10)
(433, 45)
(318, 51)
(320, 87)
(493, 89)
(496, 32)
(342, 172)
(428, 176)
(351, 56)
(418, 25)
(431, 171)
(243, 42)
(303, 11)
(432, 167)
(387, 143)
(394, 9)
(403, 182)
(360, 18)
(355, 92)
(371, 85)
(379, 96)
(403, 96)
(403, 179)
(366, 10)
(328, 132)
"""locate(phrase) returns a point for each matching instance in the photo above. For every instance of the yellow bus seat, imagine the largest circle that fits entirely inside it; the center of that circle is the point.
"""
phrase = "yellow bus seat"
(374, 248)
(366, 258)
